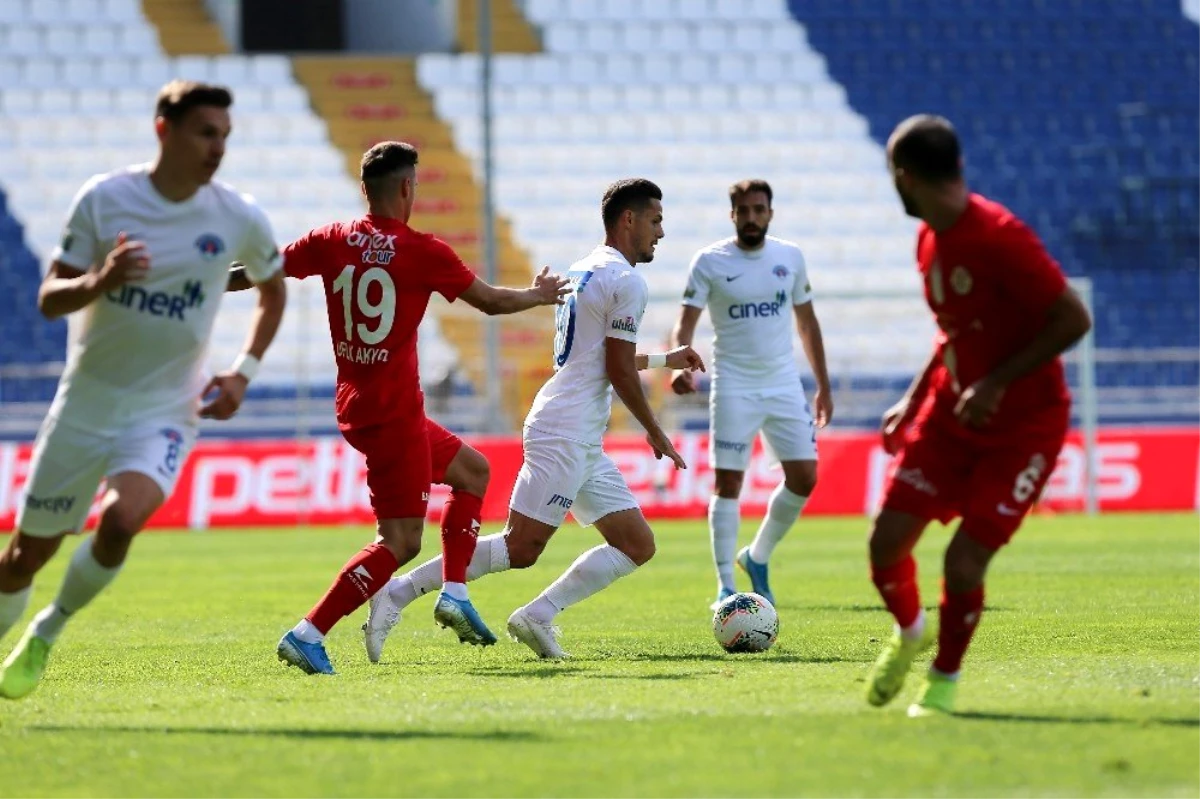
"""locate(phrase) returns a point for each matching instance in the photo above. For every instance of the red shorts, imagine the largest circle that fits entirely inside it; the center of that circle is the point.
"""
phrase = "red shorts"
(990, 484)
(403, 461)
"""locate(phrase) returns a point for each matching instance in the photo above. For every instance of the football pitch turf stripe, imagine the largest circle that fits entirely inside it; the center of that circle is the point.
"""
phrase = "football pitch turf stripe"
(1083, 679)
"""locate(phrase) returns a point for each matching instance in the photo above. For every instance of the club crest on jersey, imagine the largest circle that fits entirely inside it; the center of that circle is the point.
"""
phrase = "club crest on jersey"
(210, 246)
(780, 272)
(960, 280)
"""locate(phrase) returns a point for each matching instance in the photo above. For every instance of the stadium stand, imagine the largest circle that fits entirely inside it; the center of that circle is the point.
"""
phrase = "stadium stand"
(1078, 114)
(76, 99)
(659, 89)
(1083, 118)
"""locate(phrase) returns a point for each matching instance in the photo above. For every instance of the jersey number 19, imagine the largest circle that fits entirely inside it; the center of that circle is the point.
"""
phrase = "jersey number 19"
(384, 310)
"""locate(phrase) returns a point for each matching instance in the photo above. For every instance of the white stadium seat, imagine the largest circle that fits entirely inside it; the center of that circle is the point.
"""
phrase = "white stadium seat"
(695, 94)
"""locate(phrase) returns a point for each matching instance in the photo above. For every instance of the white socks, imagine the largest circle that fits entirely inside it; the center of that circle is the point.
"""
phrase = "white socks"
(455, 591)
(724, 517)
(782, 511)
(591, 572)
(491, 555)
(84, 581)
(914, 631)
(307, 632)
(12, 606)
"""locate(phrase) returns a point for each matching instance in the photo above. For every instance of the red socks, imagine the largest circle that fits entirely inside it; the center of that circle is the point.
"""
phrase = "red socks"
(460, 529)
(959, 618)
(897, 584)
(359, 579)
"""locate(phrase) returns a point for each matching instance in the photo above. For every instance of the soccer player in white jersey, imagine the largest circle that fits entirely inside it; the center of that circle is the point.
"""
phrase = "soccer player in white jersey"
(565, 465)
(140, 270)
(749, 282)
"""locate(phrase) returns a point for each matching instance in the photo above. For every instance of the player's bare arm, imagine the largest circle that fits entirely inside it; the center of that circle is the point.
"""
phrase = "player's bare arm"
(231, 384)
(814, 349)
(621, 366)
(238, 280)
(547, 289)
(682, 380)
(66, 289)
(679, 359)
(1067, 322)
(898, 417)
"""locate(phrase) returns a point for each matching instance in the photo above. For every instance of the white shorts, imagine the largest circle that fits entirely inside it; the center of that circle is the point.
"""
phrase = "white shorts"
(783, 415)
(560, 475)
(68, 463)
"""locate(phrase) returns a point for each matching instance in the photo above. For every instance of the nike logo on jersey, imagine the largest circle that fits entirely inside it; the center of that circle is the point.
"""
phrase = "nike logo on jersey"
(1005, 510)
(731, 279)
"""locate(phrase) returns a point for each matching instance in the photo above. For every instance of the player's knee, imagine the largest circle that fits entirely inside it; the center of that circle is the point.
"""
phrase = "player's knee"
(640, 551)
(477, 475)
(727, 485)
(119, 523)
(965, 563)
(524, 552)
(963, 574)
(885, 546)
(21, 561)
(405, 549)
(802, 484)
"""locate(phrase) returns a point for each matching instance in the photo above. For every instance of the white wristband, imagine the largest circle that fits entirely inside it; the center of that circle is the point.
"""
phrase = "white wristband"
(656, 360)
(246, 365)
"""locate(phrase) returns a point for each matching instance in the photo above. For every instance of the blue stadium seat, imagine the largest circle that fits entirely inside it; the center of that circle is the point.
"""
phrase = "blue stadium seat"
(1080, 115)
(25, 336)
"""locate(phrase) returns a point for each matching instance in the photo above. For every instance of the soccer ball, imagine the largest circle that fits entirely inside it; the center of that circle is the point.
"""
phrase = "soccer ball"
(745, 623)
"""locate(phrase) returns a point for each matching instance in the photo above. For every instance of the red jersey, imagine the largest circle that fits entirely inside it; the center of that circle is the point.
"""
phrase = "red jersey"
(379, 275)
(990, 282)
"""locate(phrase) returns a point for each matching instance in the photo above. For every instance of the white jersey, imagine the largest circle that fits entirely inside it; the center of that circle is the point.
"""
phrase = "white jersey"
(140, 348)
(750, 296)
(608, 301)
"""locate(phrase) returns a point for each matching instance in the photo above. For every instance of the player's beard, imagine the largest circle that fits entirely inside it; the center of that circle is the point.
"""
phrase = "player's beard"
(752, 240)
(910, 205)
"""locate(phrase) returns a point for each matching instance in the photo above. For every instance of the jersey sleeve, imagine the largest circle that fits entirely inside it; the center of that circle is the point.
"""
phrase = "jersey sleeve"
(305, 256)
(259, 252)
(626, 306)
(801, 288)
(448, 275)
(696, 293)
(80, 245)
(1027, 273)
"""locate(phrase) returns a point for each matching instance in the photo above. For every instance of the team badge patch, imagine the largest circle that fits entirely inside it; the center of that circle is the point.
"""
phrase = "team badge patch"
(780, 272)
(210, 246)
(960, 280)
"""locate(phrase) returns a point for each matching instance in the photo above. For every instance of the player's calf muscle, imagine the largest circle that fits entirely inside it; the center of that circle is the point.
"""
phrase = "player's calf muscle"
(23, 558)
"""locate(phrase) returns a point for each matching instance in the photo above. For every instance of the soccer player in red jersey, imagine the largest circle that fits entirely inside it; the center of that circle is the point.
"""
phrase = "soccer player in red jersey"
(980, 429)
(379, 275)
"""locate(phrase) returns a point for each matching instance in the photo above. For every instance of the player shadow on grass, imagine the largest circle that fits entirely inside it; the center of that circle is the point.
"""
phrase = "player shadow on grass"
(515, 736)
(536, 671)
(757, 657)
(984, 716)
(929, 609)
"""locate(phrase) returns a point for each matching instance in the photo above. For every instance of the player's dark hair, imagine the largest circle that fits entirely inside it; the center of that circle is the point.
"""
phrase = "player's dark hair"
(384, 163)
(630, 194)
(180, 96)
(927, 146)
(743, 187)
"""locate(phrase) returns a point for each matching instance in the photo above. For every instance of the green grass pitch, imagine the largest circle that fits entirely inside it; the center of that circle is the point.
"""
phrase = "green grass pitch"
(1084, 679)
